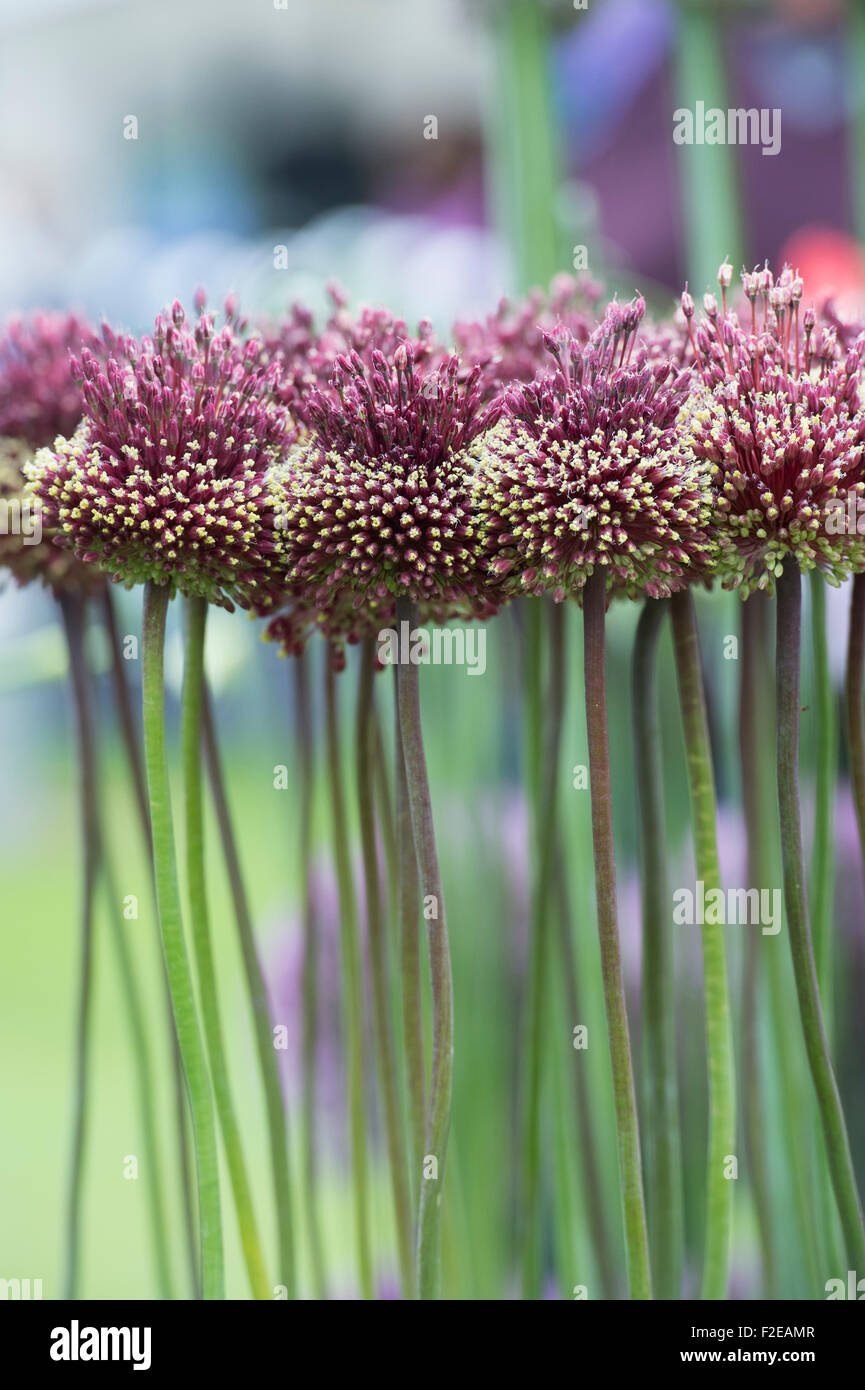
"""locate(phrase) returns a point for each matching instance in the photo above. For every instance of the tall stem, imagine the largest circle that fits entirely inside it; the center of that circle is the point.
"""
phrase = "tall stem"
(72, 611)
(753, 742)
(352, 988)
(171, 923)
(545, 823)
(304, 741)
(823, 863)
(388, 1069)
(627, 1124)
(441, 978)
(261, 1015)
(854, 691)
(410, 962)
(804, 969)
(663, 1144)
(135, 762)
(193, 696)
(719, 1034)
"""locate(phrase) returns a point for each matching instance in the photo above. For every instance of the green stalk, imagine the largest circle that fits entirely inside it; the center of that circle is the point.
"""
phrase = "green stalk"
(627, 1123)
(828, 1098)
(388, 1069)
(719, 1035)
(663, 1144)
(193, 697)
(72, 611)
(854, 691)
(304, 741)
(753, 743)
(545, 834)
(352, 988)
(441, 978)
(822, 881)
(135, 762)
(410, 965)
(261, 1015)
(156, 598)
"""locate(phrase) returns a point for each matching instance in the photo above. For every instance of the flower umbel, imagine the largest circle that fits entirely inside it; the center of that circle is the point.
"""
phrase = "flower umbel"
(163, 480)
(586, 468)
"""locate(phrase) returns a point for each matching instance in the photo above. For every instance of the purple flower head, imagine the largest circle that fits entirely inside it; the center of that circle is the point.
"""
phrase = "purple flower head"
(375, 497)
(780, 418)
(508, 345)
(586, 467)
(39, 397)
(164, 478)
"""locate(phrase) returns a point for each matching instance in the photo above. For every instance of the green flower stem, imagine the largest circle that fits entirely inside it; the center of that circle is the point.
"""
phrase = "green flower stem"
(719, 1036)
(135, 762)
(823, 862)
(135, 1013)
(388, 1069)
(176, 960)
(304, 741)
(441, 1079)
(352, 988)
(586, 1120)
(545, 782)
(663, 1144)
(410, 965)
(73, 614)
(854, 691)
(754, 742)
(834, 1128)
(627, 1124)
(262, 1019)
(191, 720)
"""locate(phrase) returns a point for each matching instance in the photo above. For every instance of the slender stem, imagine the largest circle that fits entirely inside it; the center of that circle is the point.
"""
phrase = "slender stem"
(261, 1015)
(587, 1136)
(719, 1033)
(441, 978)
(176, 960)
(823, 861)
(144, 1074)
(135, 761)
(304, 741)
(386, 1050)
(73, 614)
(753, 743)
(854, 697)
(193, 696)
(663, 1143)
(627, 1124)
(545, 828)
(410, 964)
(834, 1128)
(352, 989)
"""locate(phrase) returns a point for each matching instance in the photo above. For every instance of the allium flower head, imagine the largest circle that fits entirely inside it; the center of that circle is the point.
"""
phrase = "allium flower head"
(163, 480)
(376, 497)
(39, 399)
(779, 414)
(586, 468)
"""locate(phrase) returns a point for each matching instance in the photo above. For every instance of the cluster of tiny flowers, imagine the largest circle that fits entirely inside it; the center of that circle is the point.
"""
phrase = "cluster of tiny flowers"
(508, 345)
(778, 413)
(375, 497)
(163, 480)
(586, 468)
(39, 400)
